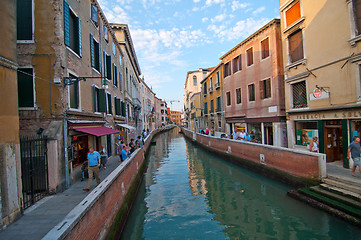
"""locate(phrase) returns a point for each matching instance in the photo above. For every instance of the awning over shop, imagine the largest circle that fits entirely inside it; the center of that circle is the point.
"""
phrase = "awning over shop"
(126, 126)
(96, 131)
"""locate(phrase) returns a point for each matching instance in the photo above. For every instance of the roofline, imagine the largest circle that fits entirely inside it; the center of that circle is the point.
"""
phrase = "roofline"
(267, 25)
(215, 68)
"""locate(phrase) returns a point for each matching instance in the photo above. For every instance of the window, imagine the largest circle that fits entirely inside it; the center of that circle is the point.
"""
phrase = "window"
(250, 57)
(26, 96)
(265, 88)
(24, 19)
(72, 30)
(107, 66)
(227, 69)
(295, 41)
(95, 54)
(238, 96)
(99, 100)
(357, 12)
(251, 92)
(211, 84)
(265, 48)
(205, 88)
(105, 32)
(228, 98)
(237, 66)
(299, 94)
(124, 110)
(109, 104)
(293, 14)
(218, 78)
(218, 104)
(117, 105)
(212, 106)
(94, 14)
(205, 108)
(74, 94)
(115, 75)
(194, 80)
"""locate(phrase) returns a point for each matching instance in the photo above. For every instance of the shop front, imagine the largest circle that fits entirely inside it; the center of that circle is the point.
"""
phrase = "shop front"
(82, 135)
(334, 131)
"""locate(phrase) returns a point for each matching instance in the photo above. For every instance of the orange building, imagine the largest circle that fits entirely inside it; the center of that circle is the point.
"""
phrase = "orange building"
(175, 117)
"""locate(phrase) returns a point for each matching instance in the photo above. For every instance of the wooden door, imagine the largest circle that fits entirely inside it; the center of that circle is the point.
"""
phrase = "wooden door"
(333, 143)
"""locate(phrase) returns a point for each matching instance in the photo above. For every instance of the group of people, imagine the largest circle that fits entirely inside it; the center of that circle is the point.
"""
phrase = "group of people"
(207, 131)
(97, 159)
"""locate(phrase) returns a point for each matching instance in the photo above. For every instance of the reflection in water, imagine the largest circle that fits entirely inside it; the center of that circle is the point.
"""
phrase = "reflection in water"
(188, 193)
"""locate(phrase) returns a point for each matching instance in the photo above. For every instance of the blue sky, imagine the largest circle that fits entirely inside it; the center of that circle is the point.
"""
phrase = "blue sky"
(172, 37)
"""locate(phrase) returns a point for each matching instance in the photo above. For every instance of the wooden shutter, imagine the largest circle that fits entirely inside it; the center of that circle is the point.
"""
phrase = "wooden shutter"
(358, 15)
(124, 110)
(293, 14)
(265, 48)
(92, 57)
(261, 89)
(102, 100)
(250, 57)
(24, 20)
(109, 67)
(296, 46)
(66, 24)
(268, 88)
(110, 107)
(105, 64)
(25, 87)
(240, 62)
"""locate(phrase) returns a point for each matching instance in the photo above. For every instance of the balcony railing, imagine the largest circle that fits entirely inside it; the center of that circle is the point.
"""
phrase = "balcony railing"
(217, 85)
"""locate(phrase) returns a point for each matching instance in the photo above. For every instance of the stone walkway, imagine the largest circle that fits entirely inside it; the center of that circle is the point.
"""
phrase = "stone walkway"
(39, 219)
(336, 169)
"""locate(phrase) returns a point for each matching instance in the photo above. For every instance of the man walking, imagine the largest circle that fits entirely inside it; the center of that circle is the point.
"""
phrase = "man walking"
(354, 149)
(93, 167)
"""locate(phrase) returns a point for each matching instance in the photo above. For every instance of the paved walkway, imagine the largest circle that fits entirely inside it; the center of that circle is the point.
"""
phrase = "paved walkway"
(39, 219)
(336, 169)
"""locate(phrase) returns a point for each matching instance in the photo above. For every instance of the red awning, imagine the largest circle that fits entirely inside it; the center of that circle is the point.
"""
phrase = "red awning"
(97, 131)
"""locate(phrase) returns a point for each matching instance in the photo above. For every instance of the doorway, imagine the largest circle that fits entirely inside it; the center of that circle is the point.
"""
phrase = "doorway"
(333, 141)
(268, 133)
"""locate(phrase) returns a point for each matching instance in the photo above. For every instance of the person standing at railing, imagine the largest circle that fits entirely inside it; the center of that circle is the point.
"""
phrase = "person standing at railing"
(93, 167)
(124, 154)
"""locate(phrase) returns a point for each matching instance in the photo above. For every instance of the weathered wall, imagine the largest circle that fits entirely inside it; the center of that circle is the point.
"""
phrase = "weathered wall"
(94, 215)
(293, 162)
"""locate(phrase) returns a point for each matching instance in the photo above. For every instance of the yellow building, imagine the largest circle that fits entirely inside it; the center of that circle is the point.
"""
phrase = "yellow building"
(175, 117)
(195, 113)
(192, 86)
(212, 100)
(321, 52)
(10, 177)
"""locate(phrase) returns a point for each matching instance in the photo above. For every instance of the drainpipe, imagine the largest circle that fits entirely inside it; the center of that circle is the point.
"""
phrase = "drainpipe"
(65, 128)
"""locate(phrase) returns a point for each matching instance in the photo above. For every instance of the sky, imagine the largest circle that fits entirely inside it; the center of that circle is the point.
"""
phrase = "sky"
(172, 37)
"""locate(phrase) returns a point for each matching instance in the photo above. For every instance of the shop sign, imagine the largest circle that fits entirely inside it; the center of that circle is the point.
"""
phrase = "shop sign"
(329, 115)
(319, 94)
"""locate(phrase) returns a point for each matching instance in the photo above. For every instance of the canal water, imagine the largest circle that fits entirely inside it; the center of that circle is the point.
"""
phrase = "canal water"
(188, 193)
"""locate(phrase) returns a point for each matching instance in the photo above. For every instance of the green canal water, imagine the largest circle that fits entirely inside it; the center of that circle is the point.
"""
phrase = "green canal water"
(188, 193)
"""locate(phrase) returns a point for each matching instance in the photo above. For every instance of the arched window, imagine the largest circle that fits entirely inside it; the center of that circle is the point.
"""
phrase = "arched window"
(194, 80)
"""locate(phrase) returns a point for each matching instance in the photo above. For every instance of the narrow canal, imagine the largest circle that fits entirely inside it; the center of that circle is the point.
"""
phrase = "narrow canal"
(188, 193)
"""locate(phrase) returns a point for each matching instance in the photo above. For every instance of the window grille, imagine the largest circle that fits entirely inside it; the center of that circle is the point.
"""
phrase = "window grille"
(299, 95)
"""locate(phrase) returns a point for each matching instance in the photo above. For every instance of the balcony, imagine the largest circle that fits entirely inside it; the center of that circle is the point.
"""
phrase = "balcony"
(210, 90)
(137, 103)
(217, 85)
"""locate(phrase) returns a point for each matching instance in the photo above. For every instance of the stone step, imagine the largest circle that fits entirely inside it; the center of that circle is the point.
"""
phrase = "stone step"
(344, 196)
(345, 179)
(341, 206)
(343, 184)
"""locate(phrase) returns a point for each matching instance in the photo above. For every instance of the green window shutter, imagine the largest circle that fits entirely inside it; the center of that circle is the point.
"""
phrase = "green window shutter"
(92, 57)
(321, 137)
(116, 103)
(102, 101)
(66, 24)
(94, 99)
(100, 58)
(110, 107)
(124, 110)
(345, 143)
(24, 20)
(105, 64)
(109, 67)
(25, 87)
(79, 37)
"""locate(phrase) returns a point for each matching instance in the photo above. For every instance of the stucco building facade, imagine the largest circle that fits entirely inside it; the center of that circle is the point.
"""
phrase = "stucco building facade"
(322, 58)
(253, 86)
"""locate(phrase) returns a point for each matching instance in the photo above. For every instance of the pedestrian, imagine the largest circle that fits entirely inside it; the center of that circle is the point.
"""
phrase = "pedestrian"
(93, 167)
(212, 131)
(354, 151)
(207, 131)
(242, 135)
(103, 157)
(139, 142)
(248, 138)
(125, 154)
(119, 150)
(132, 146)
(235, 135)
(314, 145)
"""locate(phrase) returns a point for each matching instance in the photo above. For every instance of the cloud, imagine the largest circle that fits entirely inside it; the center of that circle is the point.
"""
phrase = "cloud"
(219, 18)
(196, 1)
(211, 2)
(116, 14)
(238, 5)
(205, 19)
(258, 10)
(240, 30)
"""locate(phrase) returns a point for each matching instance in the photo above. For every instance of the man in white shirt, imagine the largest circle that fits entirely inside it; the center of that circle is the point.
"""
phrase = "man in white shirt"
(242, 135)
